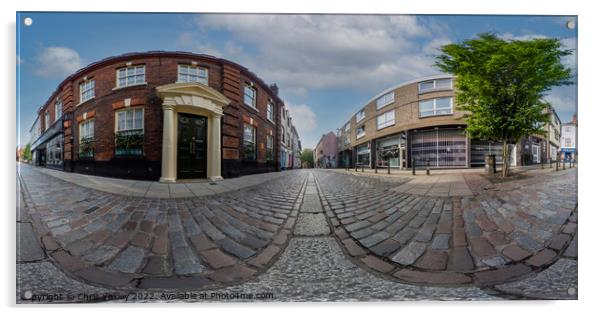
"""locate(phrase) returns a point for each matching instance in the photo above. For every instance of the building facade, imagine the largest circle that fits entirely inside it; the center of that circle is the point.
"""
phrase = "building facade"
(554, 132)
(325, 153)
(418, 123)
(161, 115)
(286, 151)
(296, 144)
(568, 148)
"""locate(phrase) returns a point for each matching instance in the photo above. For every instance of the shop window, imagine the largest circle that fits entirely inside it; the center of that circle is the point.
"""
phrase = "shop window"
(363, 156)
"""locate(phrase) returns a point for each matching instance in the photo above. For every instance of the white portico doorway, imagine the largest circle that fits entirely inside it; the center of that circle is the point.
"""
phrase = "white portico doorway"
(191, 121)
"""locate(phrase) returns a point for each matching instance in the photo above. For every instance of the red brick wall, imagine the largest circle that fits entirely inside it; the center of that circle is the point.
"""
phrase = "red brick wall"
(160, 68)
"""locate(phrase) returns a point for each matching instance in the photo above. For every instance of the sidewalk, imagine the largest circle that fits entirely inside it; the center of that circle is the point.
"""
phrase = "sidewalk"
(153, 189)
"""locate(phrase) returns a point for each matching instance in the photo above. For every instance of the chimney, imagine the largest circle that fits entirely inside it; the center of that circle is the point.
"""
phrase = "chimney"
(575, 119)
(274, 88)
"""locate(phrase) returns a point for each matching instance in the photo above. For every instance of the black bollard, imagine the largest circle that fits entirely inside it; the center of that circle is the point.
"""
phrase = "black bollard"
(563, 164)
(413, 167)
(375, 168)
(362, 168)
(428, 167)
(541, 164)
(388, 167)
(550, 163)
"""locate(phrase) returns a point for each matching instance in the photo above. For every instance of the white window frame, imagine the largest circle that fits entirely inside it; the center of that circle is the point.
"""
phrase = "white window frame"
(199, 78)
(81, 127)
(58, 109)
(254, 97)
(359, 116)
(268, 147)
(435, 85)
(124, 111)
(123, 73)
(46, 120)
(347, 127)
(362, 134)
(86, 90)
(435, 109)
(385, 100)
(253, 141)
(388, 119)
(270, 111)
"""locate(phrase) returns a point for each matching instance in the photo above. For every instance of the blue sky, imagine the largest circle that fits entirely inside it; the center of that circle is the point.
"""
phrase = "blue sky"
(327, 66)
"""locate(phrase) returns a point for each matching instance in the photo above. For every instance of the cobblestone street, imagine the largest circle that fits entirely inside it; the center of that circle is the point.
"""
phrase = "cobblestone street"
(303, 235)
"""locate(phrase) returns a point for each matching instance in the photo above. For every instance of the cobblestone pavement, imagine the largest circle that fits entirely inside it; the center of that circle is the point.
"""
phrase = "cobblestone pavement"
(235, 242)
(502, 233)
(133, 242)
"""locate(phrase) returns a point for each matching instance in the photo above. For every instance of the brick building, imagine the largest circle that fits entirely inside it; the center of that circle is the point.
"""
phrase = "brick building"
(325, 153)
(418, 121)
(161, 115)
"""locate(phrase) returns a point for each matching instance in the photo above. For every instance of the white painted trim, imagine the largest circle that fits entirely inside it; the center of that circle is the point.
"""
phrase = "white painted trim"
(132, 85)
(133, 108)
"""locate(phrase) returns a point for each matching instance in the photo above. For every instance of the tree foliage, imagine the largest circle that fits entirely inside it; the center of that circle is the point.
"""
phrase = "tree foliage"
(501, 84)
(307, 157)
(26, 155)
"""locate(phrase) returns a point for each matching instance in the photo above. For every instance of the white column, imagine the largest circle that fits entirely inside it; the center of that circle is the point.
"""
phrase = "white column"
(169, 158)
(214, 166)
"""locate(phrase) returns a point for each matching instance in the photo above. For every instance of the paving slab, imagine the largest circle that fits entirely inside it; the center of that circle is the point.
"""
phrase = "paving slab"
(28, 246)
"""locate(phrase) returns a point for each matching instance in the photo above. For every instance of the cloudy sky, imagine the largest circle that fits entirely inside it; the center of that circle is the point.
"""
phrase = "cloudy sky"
(327, 66)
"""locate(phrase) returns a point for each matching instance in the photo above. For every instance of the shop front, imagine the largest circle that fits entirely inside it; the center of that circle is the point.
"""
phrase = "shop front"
(363, 155)
(444, 147)
(390, 151)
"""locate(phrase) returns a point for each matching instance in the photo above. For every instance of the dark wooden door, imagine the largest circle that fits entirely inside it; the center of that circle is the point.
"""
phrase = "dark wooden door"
(192, 146)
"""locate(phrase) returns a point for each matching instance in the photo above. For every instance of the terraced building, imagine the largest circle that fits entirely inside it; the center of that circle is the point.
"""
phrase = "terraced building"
(418, 121)
(161, 115)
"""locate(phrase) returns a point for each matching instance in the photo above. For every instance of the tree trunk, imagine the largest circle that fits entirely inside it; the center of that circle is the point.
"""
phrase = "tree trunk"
(505, 160)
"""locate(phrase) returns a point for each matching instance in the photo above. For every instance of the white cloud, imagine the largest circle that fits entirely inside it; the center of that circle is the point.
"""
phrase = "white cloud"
(58, 61)
(302, 52)
(523, 37)
(304, 120)
(563, 99)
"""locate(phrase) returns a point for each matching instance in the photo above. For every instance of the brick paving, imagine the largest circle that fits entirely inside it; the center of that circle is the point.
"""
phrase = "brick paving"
(492, 236)
(130, 242)
(495, 234)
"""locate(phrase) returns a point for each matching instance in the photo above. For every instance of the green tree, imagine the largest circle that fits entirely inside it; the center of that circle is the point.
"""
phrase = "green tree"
(501, 84)
(307, 157)
(26, 155)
